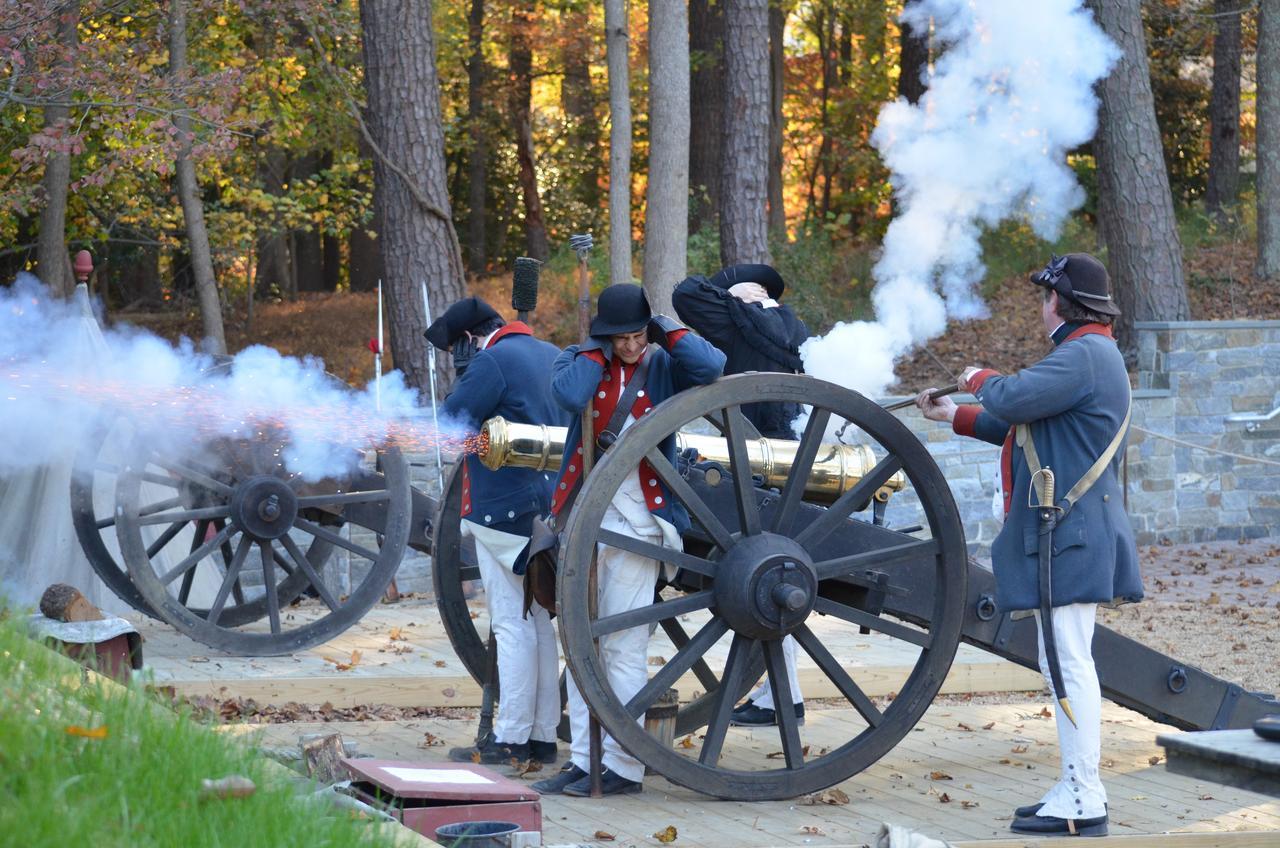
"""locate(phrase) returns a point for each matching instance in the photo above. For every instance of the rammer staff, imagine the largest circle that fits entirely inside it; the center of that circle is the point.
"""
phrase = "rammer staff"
(431, 367)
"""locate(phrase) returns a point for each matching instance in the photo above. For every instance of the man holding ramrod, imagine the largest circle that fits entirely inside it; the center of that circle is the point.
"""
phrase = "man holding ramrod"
(1066, 544)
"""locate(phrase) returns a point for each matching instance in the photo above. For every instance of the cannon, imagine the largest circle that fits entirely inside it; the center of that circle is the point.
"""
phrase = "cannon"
(795, 539)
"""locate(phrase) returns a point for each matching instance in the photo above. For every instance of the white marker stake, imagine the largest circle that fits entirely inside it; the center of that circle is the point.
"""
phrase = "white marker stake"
(377, 357)
(431, 366)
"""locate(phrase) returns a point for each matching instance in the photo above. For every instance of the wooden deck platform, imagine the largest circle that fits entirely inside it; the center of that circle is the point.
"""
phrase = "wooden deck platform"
(955, 777)
(420, 668)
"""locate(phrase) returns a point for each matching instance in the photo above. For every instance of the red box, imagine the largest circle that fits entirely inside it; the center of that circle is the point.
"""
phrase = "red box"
(116, 657)
(425, 796)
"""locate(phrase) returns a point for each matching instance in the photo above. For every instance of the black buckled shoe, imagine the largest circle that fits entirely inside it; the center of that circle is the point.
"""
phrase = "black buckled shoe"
(1028, 810)
(491, 753)
(555, 785)
(611, 783)
(750, 715)
(543, 752)
(1054, 826)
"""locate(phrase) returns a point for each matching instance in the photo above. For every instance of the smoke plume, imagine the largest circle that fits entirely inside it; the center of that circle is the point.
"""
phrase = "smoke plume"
(1010, 95)
(64, 383)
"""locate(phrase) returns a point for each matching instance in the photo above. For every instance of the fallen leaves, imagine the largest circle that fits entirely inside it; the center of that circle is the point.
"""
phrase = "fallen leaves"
(966, 728)
(777, 755)
(440, 663)
(528, 767)
(604, 836)
(344, 666)
(87, 732)
(396, 635)
(812, 830)
(939, 775)
(430, 740)
(667, 834)
(988, 725)
(834, 796)
(1045, 712)
(232, 786)
(944, 798)
(1019, 749)
(687, 742)
(1155, 761)
(657, 660)
(968, 805)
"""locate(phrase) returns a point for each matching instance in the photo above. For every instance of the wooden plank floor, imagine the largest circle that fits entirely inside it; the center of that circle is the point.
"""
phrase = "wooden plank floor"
(421, 669)
(996, 756)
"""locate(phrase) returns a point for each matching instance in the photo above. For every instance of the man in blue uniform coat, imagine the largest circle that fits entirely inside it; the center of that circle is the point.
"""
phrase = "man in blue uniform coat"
(1068, 413)
(738, 311)
(618, 352)
(507, 376)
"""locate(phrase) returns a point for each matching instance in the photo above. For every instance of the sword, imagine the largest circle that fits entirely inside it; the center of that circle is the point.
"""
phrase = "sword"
(1049, 513)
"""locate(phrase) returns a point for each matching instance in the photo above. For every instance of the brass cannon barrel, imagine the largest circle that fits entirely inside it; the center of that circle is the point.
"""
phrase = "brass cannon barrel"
(836, 469)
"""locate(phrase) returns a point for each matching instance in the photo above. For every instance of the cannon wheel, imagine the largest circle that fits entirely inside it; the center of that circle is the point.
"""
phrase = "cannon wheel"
(449, 571)
(257, 503)
(771, 561)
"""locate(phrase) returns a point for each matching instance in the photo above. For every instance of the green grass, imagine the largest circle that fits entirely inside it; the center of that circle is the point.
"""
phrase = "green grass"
(140, 784)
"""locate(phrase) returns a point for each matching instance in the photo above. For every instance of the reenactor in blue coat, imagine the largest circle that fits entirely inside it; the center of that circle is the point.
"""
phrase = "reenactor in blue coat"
(632, 361)
(738, 310)
(1066, 544)
(507, 376)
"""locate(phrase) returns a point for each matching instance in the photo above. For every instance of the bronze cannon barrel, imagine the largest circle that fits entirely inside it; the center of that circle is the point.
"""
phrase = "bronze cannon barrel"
(836, 469)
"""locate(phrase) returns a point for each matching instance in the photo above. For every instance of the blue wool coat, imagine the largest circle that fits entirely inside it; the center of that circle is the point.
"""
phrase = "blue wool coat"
(508, 378)
(577, 378)
(1075, 400)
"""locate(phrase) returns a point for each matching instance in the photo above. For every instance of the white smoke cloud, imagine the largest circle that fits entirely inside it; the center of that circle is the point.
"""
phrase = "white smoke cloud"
(63, 382)
(1011, 93)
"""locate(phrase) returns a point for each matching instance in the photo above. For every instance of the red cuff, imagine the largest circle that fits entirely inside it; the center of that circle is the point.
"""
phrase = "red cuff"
(595, 356)
(675, 336)
(980, 377)
(966, 416)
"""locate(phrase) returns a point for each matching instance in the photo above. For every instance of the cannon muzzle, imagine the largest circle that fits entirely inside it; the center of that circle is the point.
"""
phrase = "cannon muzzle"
(836, 469)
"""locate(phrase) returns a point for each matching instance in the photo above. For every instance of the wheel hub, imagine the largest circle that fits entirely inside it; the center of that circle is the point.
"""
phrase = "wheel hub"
(765, 586)
(264, 507)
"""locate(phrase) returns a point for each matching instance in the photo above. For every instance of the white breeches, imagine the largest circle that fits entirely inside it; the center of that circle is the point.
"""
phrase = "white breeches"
(762, 695)
(1079, 793)
(528, 657)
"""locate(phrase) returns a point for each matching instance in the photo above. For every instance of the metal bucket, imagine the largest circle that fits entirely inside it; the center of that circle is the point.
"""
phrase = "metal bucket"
(476, 834)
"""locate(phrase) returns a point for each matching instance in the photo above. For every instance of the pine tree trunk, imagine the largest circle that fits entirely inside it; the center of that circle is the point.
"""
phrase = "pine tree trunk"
(777, 121)
(1224, 110)
(913, 63)
(416, 233)
(1135, 208)
(617, 49)
(521, 69)
(478, 155)
(1268, 74)
(666, 217)
(706, 90)
(215, 340)
(53, 265)
(744, 175)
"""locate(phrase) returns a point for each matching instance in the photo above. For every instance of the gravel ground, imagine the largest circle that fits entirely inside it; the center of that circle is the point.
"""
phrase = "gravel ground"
(1213, 605)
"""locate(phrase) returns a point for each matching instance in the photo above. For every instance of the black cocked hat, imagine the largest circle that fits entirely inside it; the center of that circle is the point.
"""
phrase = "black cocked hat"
(765, 275)
(462, 316)
(622, 308)
(1081, 279)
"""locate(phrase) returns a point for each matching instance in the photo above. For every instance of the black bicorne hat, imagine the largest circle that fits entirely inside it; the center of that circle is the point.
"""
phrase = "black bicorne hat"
(458, 319)
(622, 308)
(1080, 278)
(765, 275)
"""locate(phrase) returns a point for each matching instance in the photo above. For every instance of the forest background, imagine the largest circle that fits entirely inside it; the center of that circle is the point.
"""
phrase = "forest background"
(249, 153)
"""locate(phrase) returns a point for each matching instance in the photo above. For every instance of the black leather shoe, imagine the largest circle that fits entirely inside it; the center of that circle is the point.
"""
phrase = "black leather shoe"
(1029, 810)
(750, 715)
(611, 783)
(1053, 826)
(543, 752)
(555, 785)
(491, 753)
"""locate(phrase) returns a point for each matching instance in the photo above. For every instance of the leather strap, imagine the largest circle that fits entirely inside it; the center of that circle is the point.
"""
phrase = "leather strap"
(1085, 483)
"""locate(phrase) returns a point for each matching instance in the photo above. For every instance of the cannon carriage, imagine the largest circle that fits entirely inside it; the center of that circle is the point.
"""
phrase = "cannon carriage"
(798, 539)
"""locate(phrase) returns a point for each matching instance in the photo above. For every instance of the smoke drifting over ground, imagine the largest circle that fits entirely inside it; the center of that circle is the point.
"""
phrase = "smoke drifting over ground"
(63, 381)
(1010, 95)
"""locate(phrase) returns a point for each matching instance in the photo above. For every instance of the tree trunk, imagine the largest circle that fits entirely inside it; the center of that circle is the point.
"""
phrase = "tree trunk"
(521, 68)
(617, 50)
(215, 340)
(416, 231)
(777, 122)
(706, 90)
(1224, 110)
(364, 257)
(1135, 208)
(744, 175)
(478, 156)
(331, 254)
(308, 257)
(53, 265)
(913, 63)
(578, 99)
(1268, 74)
(666, 217)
